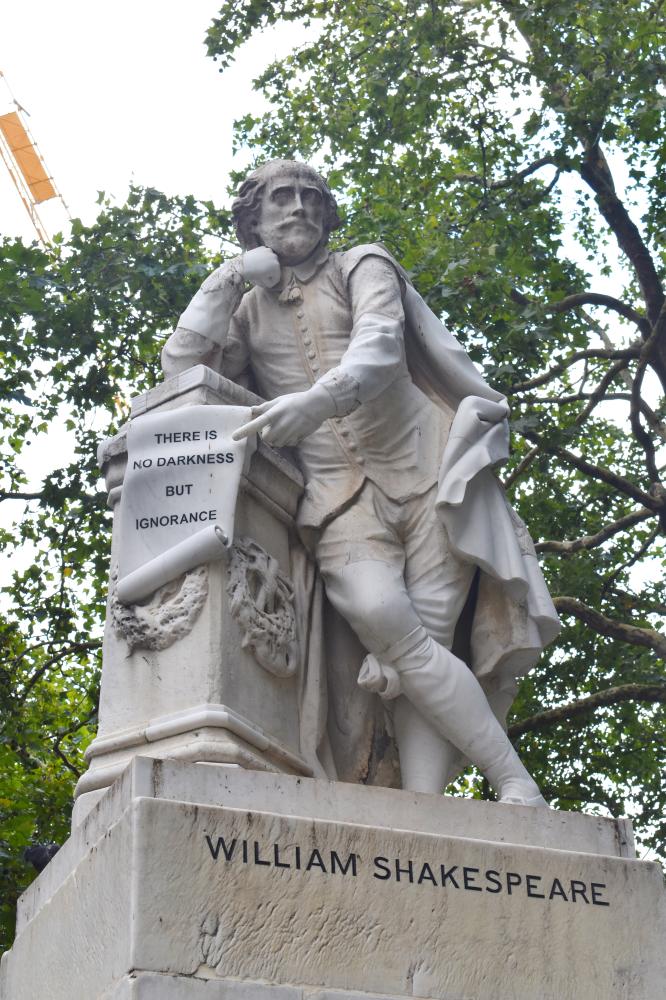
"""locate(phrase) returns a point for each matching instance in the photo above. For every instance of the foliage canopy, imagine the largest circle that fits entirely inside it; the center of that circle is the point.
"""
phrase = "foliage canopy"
(512, 156)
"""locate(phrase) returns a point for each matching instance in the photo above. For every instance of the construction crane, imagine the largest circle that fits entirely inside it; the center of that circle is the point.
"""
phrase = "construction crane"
(25, 164)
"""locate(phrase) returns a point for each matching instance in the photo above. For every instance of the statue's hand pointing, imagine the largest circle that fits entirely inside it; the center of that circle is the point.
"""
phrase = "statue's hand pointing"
(286, 420)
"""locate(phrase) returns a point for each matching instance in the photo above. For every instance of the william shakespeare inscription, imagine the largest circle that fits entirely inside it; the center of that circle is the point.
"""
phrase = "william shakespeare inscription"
(445, 875)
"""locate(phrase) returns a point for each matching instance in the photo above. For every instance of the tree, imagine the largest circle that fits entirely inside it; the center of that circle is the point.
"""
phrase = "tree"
(512, 156)
(460, 134)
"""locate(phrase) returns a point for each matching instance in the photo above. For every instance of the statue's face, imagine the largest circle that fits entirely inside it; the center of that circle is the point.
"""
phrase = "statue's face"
(292, 216)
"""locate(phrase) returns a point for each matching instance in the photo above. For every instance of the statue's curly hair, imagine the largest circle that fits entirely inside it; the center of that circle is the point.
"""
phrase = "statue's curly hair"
(247, 204)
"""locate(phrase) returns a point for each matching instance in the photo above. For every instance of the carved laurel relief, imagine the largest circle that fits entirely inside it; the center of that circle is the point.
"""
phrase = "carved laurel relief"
(261, 599)
(169, 615)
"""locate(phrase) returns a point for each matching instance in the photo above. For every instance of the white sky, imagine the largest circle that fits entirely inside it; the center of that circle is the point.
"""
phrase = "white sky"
(120, 92)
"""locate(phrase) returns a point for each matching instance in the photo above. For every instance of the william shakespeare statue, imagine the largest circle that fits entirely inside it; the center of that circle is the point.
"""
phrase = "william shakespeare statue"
(396, 435)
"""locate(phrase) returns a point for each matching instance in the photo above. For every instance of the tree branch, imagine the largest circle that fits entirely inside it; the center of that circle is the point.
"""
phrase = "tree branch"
(524, 464)
(506, 182)
(592, 352)
(597, 299)
(596, 173)
(657, 503)
(653, 420)
(598, 394)
(78, 647)
(651, 693)
(631, 561)
(657, 425)
(68, 764)
(9, 495)
(59, 737)
(601, 536)
(642, 436)
(613, 629)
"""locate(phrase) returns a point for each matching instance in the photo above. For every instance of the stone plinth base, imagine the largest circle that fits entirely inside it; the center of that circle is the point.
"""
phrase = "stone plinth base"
(204, 881)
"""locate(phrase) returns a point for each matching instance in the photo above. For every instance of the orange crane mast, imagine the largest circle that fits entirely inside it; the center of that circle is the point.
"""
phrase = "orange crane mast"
(25, 164)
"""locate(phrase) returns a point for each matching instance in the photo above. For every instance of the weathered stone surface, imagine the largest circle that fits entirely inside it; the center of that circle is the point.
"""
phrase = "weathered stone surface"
(380, 930)
(237, 788)
(147, 986)
(155, 987)
(81, 941)
(208, 896)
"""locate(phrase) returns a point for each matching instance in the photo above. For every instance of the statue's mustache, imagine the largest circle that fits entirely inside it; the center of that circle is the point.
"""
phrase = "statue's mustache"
(297, 221)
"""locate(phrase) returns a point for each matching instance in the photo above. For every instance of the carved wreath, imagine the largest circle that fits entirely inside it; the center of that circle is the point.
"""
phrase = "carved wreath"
(261, 599)
(168, 615)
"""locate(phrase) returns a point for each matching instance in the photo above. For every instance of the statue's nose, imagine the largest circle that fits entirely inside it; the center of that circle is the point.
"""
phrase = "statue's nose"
(297, 207)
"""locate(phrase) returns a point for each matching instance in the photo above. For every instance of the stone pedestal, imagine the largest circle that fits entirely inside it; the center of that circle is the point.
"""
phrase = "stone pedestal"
(193, 689)
(205, 882)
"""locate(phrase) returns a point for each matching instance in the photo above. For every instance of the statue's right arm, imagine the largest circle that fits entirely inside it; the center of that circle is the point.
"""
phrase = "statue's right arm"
(203, 329)
(206, 333)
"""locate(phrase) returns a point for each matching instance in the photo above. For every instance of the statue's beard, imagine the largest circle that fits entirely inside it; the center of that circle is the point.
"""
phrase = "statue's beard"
(296, 240)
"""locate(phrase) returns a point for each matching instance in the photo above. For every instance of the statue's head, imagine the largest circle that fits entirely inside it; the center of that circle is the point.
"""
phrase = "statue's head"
(287, 206)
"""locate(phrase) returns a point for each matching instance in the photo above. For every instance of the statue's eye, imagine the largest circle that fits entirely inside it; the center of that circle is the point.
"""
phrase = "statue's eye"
(282, 196)
(311, 196)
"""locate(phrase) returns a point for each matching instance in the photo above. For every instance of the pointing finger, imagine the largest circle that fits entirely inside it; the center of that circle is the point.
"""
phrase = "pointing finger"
(262, 407)
(252, 427)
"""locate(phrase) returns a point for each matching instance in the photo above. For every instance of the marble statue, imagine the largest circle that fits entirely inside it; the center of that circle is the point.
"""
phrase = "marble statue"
(396, 435)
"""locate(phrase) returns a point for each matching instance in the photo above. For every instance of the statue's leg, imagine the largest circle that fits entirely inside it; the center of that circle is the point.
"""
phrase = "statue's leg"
(427, 760)
(373, 598)
(437, 584)
(371, 594)
(362, 536)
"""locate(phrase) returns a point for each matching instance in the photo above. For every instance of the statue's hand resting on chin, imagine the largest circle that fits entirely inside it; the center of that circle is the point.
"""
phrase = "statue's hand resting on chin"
(261, 267)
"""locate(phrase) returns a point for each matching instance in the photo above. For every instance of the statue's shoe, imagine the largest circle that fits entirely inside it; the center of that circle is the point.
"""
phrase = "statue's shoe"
(514, 795)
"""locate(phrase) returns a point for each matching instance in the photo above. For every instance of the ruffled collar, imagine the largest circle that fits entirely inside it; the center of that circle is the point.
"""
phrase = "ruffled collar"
(292, 277)
(307, 269)
(314, 263)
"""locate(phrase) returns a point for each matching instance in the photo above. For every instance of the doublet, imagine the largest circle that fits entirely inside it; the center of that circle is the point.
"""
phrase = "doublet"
(337, 319)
